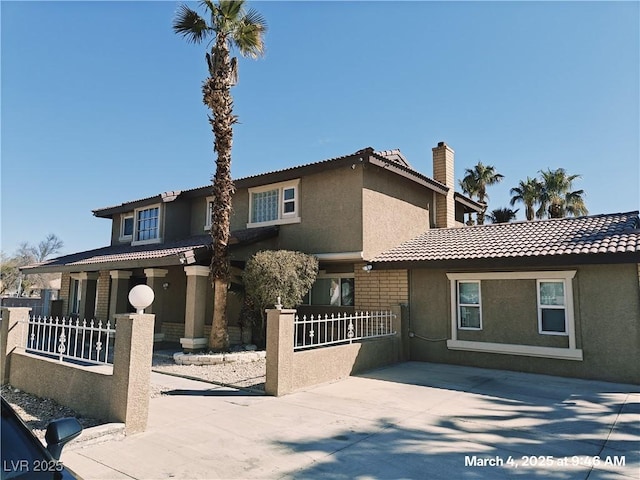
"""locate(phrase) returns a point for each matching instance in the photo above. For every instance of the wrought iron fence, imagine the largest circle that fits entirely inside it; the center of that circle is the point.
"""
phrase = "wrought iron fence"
(72, 340)
(321, 330)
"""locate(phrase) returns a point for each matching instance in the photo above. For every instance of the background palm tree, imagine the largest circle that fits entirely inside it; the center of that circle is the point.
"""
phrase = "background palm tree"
(502, 215)
(229, 26)
(556, 199)
(477, 179)
(528, 192)
(468, 188)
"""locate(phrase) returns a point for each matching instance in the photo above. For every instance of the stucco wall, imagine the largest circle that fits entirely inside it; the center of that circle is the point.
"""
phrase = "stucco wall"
(312, 367)
(510, 315)
(393, 209)
(607, 319)
(176, 220)
(86, 389)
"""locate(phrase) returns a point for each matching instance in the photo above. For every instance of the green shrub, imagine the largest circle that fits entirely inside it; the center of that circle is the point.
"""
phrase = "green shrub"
(270, 274)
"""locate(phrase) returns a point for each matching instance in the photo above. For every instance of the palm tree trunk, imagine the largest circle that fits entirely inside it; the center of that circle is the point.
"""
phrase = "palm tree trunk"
(529, 212)
(217, 96)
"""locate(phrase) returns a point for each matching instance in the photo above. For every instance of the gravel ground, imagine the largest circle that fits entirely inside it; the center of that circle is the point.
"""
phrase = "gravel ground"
(38, 412)
(236, 374)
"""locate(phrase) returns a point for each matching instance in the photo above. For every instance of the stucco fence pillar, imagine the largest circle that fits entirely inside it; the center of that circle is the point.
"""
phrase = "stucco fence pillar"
(11, 337)
(116, 394)
(280, 345)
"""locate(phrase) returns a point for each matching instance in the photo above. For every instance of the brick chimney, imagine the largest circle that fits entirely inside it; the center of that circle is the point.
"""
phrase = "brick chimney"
(443, 173)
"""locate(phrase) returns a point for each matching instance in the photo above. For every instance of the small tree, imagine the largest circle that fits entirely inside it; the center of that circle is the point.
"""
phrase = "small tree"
(270, 274)
(27, 254)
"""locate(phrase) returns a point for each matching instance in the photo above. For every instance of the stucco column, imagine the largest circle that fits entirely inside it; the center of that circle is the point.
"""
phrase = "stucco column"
(133, 351)
(119, 300)
(279, 352)
(88, 287)
(12, 336)
(155, 280)
(195, 310)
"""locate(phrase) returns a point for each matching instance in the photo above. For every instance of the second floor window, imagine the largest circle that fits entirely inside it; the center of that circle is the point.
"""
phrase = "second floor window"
(209, 214)
(126, 228)
(147, 224)
(274, 204)
(264, 206)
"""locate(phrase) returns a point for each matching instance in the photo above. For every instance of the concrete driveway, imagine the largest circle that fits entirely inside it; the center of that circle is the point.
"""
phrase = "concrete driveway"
(413, 420)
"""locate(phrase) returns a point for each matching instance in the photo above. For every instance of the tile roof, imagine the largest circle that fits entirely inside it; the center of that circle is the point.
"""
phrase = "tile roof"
(164, 253)
(542, 239)
(390, 159)
(122, 253)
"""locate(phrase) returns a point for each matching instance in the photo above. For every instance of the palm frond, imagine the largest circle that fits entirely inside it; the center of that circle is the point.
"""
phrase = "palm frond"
(231, 10)
(248, 34)
(190, 25)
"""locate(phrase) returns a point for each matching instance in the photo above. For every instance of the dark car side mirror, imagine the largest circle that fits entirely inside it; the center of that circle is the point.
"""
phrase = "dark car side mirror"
(59, 433)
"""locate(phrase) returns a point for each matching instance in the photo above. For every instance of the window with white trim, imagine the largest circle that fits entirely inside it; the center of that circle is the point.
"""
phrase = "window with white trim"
(274, 204)
(335, 290)
(552, 317)
(469, 305)
(126, 227)
(207, 220)
(147, 225)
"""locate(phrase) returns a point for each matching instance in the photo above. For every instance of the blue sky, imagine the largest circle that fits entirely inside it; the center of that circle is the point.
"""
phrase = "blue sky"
(101, 101)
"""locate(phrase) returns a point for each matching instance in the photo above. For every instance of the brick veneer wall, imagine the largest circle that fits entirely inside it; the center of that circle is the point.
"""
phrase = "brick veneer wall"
(65, 283)
(102, 299)
(380, 288)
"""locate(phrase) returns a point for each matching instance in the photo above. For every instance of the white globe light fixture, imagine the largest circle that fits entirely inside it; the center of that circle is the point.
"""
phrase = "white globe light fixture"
(141, 296)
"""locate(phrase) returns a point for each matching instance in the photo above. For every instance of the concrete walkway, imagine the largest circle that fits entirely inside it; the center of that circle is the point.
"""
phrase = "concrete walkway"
(413, 420)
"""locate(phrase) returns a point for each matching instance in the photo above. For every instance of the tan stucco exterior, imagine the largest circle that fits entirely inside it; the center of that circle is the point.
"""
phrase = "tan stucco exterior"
(606, 302)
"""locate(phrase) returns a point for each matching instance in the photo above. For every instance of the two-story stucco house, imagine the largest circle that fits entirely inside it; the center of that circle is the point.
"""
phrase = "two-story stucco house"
(344, 210)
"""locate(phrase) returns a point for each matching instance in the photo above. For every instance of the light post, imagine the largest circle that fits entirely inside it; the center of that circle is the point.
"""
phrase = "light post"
(141, 296)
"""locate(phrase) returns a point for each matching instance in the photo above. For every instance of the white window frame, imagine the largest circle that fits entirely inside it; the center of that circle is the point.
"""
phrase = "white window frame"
(158, 238)
(283, 218)
(562, 307)
(123, 217)
(570, 353)
(474, 305)
(209, 211)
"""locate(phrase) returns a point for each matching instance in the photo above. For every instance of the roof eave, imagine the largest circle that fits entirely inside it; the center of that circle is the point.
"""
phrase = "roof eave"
(379, 161)
(550, 261)
(471, 205)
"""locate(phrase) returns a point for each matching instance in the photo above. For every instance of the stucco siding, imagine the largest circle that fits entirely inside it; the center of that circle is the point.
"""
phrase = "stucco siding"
(510, 315)
(176, 220)
(610, 320)
(607, 323)
(393, 210)
(198, 215)
(329, 198)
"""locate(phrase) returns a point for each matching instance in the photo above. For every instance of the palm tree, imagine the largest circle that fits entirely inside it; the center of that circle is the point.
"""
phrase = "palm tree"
(229, 26)
(527, 192)
(477, 179)
(502, 215)
(557, 200)
(468, 188)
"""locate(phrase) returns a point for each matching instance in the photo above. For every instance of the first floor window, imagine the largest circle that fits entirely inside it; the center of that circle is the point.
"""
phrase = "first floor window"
(74, 297)
(331, 291)
(147, 224)
(552, 318)
(469, 308)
